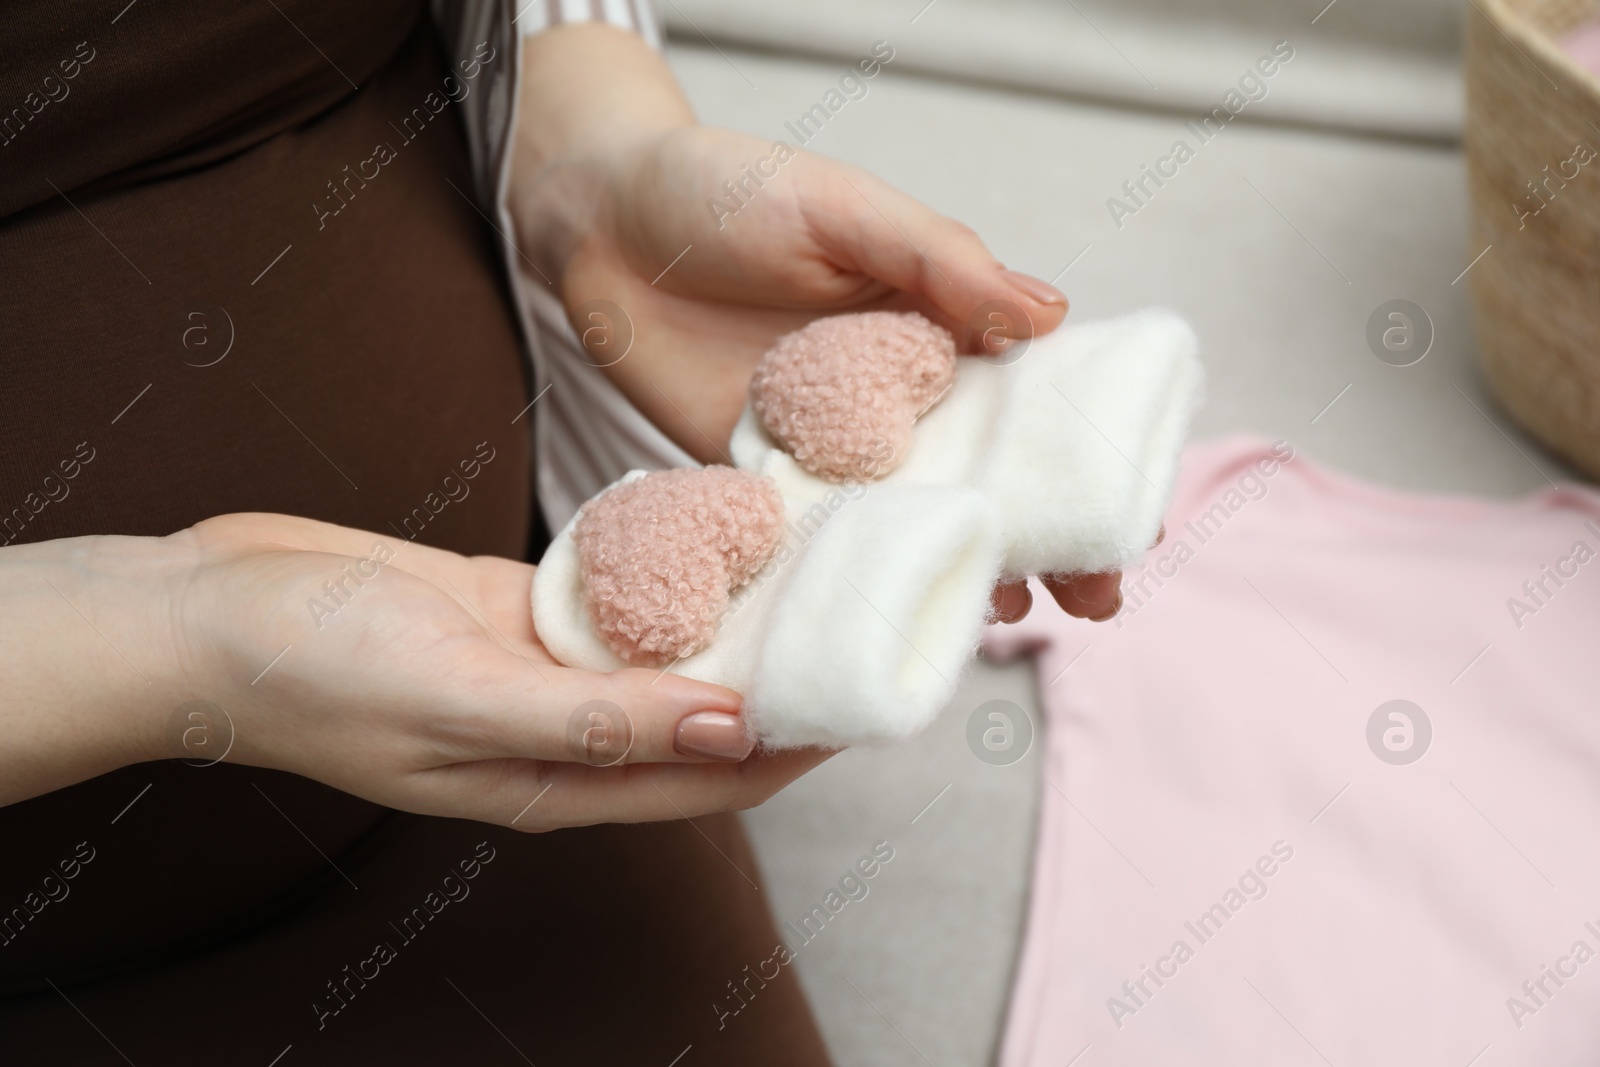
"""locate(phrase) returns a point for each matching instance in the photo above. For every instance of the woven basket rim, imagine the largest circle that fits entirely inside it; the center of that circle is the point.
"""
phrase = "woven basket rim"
(1503, 16)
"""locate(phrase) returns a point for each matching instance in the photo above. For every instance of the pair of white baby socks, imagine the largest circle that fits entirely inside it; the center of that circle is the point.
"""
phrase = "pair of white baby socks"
(895, 515)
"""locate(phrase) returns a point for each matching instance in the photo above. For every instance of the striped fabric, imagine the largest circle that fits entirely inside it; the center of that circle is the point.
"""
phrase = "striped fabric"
(641, 16)
(586, 433)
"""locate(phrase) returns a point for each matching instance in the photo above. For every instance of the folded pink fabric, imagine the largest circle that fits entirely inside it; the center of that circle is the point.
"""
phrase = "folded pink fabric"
(1242, 860)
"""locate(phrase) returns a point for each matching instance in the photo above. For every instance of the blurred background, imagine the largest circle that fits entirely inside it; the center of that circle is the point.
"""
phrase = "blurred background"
(1340, 189)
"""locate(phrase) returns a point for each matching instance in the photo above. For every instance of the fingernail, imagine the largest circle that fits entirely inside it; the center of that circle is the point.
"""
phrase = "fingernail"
(713, 735)
(1116, 606)
(1041, 291)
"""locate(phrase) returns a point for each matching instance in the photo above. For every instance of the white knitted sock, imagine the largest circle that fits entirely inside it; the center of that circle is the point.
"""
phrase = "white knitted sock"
(856, 631)
(1075, 443)
(1061, 460)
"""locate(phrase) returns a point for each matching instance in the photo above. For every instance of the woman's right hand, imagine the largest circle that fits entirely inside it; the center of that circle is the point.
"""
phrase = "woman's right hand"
(406, 675)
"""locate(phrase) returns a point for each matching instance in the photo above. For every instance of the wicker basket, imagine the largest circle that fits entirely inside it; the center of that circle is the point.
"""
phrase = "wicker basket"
(1537, 292)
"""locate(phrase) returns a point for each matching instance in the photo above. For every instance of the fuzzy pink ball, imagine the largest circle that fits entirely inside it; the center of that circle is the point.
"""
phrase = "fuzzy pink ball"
(841, 394)
(660, 555)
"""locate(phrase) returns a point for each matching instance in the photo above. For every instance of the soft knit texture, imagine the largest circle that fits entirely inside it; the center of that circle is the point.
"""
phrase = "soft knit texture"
(658, 556)
(868, 612)
(1086, 438)
(1075, 442)
(561, 614)
(856, 630)
(880, 619)
(842, 393)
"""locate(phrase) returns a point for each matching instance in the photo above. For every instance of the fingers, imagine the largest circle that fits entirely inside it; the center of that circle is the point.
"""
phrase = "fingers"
(1096, 597)
(534, 796)
(1010, 601)
(878, 230)
(675, 719)
(486, 703)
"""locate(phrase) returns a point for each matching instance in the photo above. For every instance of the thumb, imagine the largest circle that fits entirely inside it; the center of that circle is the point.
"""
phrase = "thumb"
(875, 229)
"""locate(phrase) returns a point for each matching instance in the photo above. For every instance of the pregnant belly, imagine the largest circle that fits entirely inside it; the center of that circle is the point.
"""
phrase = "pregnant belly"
(302, 327)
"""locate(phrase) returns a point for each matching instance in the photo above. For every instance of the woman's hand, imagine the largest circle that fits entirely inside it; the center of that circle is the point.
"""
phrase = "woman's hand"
(404, 674)
(817, 238)
(413, 677)
(713, 244)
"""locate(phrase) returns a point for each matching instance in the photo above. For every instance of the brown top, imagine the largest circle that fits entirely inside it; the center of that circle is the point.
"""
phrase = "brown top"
(230, 280)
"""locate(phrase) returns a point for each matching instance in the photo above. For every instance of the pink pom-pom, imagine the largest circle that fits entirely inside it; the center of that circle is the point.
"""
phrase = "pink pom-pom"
(841, 394)
(660, 556)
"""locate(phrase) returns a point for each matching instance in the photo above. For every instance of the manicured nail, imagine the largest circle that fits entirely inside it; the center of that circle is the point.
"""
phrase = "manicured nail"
(713, 735)
(1041, 291)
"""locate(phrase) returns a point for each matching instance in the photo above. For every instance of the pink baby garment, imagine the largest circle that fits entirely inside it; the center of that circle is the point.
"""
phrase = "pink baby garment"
(1583, 44)
(1327, 792)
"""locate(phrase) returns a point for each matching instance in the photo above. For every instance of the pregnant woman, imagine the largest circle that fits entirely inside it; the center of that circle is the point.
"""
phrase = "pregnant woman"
(274, 722)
